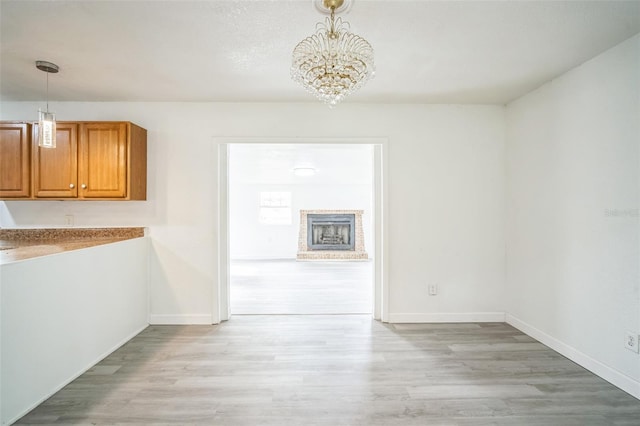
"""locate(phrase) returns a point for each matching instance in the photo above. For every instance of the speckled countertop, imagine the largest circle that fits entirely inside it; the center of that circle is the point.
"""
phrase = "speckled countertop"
(20, 244)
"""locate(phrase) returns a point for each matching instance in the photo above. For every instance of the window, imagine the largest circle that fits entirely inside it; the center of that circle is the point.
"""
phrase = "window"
(275, 208)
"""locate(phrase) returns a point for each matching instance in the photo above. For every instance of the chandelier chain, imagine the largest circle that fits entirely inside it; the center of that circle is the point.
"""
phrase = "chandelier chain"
(332, 31)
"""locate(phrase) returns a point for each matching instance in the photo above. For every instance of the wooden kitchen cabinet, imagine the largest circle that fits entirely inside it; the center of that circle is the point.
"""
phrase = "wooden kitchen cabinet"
(15, 171)
(92, 161)
(55, 170)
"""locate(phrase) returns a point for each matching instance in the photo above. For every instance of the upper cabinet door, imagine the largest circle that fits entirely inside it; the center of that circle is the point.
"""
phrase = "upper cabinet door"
(55, 170)
(103, 160)
(14, 160)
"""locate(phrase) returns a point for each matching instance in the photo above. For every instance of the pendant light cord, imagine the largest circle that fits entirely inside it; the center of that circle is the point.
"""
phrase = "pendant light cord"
(47, 92)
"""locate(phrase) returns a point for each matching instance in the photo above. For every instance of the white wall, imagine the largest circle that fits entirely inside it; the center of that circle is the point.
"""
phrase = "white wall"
(573, 224)
(251, 239)
(445, 196)
(63, 313)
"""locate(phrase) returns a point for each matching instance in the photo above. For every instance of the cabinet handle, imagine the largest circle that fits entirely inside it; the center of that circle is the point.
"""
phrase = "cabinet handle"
(84, 186)
(71, 186)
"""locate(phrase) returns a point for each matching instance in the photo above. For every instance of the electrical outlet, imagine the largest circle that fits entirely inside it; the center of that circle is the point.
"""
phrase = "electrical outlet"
(631, 341)
(68, 220)
(433, 289)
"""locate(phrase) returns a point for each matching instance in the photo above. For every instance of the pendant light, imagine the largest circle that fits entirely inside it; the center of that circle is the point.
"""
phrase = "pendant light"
(47, 119)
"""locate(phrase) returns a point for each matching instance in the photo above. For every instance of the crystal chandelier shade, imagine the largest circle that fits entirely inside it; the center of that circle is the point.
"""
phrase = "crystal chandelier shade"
(333, 62)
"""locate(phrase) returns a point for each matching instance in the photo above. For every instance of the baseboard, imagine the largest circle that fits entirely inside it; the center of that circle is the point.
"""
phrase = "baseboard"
(197, 319)
(447, 317)
(622, 381)
(264, 257)
(78, 374)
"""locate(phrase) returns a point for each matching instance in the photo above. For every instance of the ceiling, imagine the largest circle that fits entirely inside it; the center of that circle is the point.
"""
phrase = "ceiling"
(240, 51)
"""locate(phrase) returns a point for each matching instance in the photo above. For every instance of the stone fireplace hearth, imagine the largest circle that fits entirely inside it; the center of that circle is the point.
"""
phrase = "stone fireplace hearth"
(331, 235)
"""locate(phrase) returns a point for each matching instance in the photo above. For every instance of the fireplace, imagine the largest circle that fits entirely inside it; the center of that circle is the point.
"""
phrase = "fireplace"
(331, 231)
(331, 235)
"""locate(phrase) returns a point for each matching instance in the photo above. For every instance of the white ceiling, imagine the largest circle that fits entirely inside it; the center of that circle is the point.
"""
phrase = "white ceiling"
(426, 51)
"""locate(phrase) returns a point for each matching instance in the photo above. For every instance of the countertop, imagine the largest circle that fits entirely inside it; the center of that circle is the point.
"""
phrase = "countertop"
(21, 244)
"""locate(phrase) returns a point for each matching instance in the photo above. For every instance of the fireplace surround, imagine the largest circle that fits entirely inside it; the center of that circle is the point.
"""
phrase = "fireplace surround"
(331, 235)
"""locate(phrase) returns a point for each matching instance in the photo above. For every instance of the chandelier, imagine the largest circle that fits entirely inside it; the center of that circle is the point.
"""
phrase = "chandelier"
(333, 62)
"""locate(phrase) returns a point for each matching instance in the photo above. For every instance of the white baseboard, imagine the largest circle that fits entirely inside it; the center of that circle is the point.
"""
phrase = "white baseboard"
(609, 374)
(447, 317)
(263, 257)
(198, 319)
(80, 372)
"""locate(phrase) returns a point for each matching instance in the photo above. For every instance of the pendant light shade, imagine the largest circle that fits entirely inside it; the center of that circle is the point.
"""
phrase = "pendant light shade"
(47, 119)
(46, 129)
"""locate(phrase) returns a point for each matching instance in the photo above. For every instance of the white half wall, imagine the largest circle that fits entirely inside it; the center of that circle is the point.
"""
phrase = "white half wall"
(572, 213)
(61, 314)
(445, 194)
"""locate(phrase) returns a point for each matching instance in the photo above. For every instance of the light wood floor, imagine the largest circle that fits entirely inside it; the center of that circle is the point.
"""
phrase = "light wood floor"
(336, 370)
(291, 287)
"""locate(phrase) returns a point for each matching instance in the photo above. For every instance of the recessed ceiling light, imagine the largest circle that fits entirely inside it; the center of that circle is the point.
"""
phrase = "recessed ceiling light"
(304, 171)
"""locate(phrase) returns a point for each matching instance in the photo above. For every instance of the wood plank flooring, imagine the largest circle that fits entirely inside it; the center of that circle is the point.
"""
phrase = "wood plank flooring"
(336, 370)
(290, 287)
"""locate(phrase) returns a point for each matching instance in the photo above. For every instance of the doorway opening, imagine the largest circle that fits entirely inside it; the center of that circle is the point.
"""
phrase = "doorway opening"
(271, 268)
(377, 247)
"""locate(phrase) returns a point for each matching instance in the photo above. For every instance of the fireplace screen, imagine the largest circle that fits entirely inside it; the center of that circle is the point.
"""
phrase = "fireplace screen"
(331, 231)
